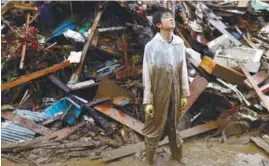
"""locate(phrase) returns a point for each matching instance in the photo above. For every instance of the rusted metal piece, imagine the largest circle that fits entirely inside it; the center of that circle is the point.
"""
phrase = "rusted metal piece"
(75, 77)
(258, 77)
(32, 76)
(197, 86)
(26, 123)
(121, 117)
(255, 86)
(133, 148)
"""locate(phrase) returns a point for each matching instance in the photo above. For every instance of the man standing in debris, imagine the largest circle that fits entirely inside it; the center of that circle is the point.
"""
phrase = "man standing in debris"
(165, 80)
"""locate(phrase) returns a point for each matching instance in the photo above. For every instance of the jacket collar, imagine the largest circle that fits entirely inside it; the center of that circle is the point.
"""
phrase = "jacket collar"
(176, 39)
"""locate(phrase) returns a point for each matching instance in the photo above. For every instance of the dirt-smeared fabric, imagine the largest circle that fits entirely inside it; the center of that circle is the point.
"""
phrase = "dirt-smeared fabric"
(164, 69)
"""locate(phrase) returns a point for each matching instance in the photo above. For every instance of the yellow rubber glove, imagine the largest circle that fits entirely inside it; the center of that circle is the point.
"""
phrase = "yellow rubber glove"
(184, 103)
(149, 111)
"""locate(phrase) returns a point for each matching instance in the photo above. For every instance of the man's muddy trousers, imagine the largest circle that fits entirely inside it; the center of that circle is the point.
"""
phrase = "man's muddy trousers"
(170, 129)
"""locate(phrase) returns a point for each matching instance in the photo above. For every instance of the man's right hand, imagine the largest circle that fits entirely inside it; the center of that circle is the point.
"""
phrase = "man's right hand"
(149, 111)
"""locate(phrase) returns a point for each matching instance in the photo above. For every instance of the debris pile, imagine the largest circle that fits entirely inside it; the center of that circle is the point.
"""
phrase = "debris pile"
(72, 75)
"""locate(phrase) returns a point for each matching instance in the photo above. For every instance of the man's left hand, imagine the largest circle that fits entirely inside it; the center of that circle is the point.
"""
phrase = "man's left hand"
(183, 103)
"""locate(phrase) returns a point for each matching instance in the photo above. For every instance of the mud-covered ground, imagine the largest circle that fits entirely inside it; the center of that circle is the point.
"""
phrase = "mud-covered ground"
(196, 152)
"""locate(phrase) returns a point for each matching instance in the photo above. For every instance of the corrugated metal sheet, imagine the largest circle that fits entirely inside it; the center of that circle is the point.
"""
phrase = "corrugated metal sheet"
(33, 116)
(12, 133)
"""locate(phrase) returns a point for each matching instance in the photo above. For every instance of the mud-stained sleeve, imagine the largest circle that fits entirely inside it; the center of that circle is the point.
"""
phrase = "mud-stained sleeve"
(185, 90)
(148, 97)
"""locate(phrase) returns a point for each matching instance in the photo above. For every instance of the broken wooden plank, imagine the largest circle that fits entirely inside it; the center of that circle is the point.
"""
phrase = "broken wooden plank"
(255, 87)
(133, 148)
(32, 76)
(75, 77)
(258, 77)
(49, 121)
(197, 86)
(121, 117)
(227, 74)
(64, 133)
(26, 123)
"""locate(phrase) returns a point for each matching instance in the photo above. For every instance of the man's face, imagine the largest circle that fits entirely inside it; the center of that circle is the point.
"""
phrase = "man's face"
(167, 22)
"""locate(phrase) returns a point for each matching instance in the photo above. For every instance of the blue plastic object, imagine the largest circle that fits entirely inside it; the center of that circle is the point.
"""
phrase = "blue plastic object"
(69, 24)
(66, 105)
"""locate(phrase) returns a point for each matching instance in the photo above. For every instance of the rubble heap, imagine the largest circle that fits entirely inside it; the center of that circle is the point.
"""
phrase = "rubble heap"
(72, 75)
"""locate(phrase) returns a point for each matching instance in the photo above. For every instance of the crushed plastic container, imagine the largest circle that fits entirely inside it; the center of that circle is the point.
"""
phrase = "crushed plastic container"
(70, 109)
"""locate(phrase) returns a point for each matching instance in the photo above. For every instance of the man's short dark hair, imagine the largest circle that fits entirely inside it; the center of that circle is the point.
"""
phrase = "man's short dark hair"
(158, 15)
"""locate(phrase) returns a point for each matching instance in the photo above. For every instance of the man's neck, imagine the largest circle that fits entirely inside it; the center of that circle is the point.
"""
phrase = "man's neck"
(167, 35)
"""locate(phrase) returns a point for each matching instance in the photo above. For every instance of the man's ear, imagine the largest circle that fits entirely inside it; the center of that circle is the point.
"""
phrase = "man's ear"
(159, 25)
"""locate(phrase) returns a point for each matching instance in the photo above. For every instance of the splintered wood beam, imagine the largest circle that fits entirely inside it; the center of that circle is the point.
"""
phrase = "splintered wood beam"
(32, 76)
(121, 117)
(255, 87)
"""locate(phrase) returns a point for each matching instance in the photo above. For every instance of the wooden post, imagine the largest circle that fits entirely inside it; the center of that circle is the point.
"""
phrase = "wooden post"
(74, 78)
(24, 42)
